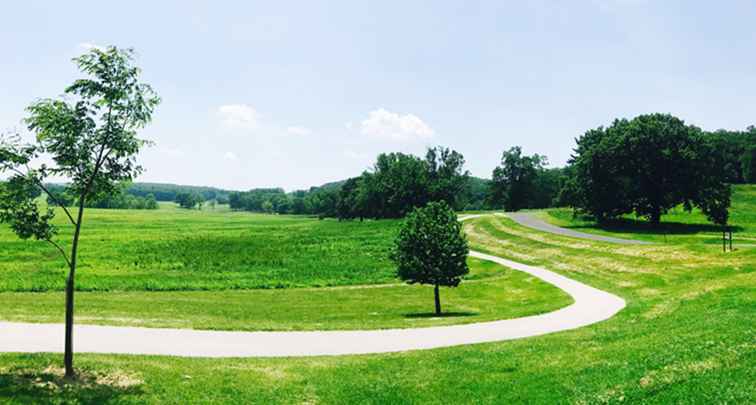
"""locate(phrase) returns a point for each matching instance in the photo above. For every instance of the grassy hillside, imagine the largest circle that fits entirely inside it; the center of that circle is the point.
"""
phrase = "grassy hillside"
(686, 336)
(174, 249)
(677, 227)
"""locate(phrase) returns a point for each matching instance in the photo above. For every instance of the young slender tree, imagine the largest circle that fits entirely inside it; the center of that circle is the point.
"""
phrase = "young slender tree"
(90, 135)
(431, 249)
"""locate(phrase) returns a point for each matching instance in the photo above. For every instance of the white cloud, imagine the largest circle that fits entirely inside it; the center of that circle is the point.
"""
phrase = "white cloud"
(301, 131)
(238, 116)
(230, 156)
(389, 125)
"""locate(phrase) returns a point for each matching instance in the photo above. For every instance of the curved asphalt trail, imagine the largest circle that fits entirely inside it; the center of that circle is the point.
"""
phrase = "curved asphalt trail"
(590, 305)
(530, 221)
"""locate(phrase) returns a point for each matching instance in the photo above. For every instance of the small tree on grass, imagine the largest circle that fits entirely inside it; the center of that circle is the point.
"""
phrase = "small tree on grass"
(431, 249)
(91, 138)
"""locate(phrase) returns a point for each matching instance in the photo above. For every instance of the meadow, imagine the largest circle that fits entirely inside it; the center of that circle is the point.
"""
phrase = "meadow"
(686, 336)
(220, 270)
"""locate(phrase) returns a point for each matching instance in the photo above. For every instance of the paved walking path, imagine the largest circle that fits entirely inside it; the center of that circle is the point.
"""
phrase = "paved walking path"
(531, 221)
(591, 305)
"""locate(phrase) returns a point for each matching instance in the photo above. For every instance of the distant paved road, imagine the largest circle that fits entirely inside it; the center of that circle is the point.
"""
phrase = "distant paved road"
(529, 220)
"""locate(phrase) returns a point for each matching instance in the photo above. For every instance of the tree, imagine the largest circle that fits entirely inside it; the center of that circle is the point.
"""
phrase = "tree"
(748, 163)
(189, 200)
(514, 182)
(447, 179)
(431, 248)
(91, 137)
(646, 165)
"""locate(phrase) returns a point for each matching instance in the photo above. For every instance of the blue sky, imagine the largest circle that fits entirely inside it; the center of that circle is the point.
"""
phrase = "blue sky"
(295, 94)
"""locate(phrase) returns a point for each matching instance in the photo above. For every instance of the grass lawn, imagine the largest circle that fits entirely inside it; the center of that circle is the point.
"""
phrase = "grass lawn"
(171, 249)
(491, 292)
(678, 226)
(686, 336)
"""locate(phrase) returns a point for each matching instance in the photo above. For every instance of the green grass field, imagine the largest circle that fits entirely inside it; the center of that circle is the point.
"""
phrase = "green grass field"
(686, 336)
(238, 271)
(172, 250)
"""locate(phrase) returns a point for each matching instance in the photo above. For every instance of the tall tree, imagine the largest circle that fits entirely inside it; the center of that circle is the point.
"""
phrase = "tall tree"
(646, 165)
(447, 178)
(431, 249)
(514, 181)
(91, 138)
(748, 163)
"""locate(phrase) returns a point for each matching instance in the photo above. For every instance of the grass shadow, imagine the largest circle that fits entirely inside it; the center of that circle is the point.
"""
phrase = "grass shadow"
(452, 314)
(623, 225)
(35, 386)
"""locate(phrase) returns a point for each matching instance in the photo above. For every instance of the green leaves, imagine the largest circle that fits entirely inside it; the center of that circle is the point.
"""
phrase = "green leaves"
(19, 209)
(646, 166)
(431, 248)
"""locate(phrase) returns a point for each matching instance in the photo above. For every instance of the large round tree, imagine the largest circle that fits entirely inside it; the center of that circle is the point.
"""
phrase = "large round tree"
(646, 166)
(431, 249)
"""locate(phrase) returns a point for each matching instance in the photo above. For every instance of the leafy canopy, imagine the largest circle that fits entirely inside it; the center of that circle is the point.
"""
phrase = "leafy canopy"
(431, 248)
(646, 166)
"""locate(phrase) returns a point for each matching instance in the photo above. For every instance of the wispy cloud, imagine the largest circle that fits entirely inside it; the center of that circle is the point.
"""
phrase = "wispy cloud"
(239, 116)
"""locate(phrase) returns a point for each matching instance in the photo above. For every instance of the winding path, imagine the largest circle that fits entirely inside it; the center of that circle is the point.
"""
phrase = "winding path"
(530, 221)
(591, 305)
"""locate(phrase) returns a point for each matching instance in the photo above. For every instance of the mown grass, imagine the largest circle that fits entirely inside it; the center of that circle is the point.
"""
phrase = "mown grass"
(677, 227)
(490, 292)
(686, 336)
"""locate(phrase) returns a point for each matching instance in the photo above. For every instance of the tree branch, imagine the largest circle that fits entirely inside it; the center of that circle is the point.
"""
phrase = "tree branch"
(62, 252)
(49, 194)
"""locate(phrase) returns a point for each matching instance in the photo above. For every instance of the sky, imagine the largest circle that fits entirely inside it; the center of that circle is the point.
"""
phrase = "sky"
(296, 94)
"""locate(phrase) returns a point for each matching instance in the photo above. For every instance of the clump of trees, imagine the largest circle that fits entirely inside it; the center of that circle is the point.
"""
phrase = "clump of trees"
(396, 184)
(522, 181)
(119, 199)
(189, 200)
(90, 136)
(168, 192)
(734, 149)
(431, 249)
(646, 166)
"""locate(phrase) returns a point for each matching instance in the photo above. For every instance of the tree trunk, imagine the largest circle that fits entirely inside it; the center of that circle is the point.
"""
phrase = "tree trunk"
(438, 300)
(70, 285)
(656, 216)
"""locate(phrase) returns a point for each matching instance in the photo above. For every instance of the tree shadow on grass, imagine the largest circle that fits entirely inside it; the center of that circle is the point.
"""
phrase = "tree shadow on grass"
(35, 386)
(452, 314)
(624, 225)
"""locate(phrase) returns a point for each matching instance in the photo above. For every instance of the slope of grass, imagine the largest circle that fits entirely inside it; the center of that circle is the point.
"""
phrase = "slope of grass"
(491, 292)
(677, 227)
(686, 336)
(172, 249)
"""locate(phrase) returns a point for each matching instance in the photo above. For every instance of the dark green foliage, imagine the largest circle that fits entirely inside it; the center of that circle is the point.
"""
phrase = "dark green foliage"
(748, 163)
(730, 147)
(431, 248)
(125, 201)
(398, 183)
(646, 165)
(189, 200)
(522, 181)
(168, 192)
